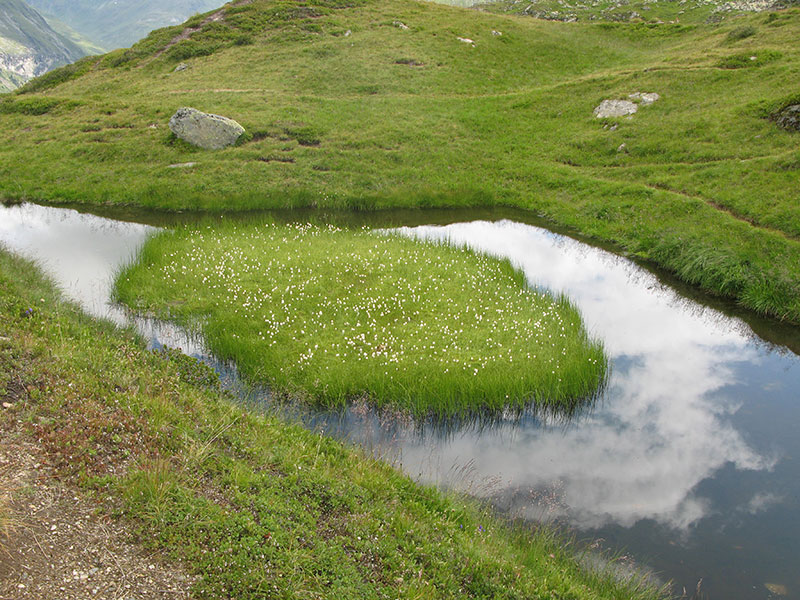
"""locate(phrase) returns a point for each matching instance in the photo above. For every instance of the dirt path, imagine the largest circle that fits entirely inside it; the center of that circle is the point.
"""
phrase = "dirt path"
(62, 545)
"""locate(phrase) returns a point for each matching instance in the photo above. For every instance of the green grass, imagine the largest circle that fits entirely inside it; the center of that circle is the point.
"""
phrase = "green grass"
(256, 506)
(649, 12)
(392, 117)
(335, 315)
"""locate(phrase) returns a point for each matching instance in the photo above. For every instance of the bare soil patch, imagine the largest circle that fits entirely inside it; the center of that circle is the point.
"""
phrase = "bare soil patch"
(63, 544)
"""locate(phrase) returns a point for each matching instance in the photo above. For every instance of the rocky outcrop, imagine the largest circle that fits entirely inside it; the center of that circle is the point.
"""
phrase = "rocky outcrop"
(9, 81)
(615, 108)
(609, 109)
(204, 130)
(789, 117)
(29, 64)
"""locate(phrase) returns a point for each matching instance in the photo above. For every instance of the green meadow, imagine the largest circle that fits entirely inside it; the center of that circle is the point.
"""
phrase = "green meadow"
(369, 104)
(333, 315)
(255, 506)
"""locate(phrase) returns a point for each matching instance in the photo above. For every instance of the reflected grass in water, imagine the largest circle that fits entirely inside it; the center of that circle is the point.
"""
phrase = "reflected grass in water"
(335, 315)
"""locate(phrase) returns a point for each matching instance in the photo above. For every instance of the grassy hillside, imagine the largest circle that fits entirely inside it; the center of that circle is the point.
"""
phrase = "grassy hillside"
(630, 11)
(254, 506)
(88, 46)
(366, 104)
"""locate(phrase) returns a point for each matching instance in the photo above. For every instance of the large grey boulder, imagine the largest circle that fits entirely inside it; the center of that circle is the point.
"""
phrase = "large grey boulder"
(207, 131)
(789, 117)
(615, 108)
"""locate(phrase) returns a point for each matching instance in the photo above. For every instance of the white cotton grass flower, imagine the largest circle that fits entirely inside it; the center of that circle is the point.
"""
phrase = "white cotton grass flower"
(342, 313)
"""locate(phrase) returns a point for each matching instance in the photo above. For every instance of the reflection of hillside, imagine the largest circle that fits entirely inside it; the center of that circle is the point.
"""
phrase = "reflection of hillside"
(82, 252)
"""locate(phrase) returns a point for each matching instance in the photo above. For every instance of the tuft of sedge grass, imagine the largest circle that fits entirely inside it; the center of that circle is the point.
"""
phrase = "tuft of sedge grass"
(335, 315)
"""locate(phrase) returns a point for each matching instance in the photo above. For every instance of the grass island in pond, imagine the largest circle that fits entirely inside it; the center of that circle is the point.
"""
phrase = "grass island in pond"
(336, 314)
(254, 506)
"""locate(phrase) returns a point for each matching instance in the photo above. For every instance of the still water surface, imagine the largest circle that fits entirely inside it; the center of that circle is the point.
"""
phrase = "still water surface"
(689, 462)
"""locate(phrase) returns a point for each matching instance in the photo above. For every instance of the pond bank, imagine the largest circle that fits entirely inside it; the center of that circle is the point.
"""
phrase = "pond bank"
(251, 503)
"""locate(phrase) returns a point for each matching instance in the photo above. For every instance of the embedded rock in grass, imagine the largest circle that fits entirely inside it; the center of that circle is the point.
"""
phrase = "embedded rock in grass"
(789, 117)
(207, 131)
(644, 98)
(614, 108)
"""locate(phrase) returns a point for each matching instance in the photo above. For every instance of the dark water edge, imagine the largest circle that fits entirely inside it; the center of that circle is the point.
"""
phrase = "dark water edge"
(689, 460)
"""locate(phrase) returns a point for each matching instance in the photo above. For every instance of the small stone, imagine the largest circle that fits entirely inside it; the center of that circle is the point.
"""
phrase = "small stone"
(623, 147)
(7, 405)
(614, 108)
(465, 40)
(348, 33)
(613, 127)
(644, 98)
(185, 165)
(180, 67)
(496, 32)
(777, 588)
(400, 25)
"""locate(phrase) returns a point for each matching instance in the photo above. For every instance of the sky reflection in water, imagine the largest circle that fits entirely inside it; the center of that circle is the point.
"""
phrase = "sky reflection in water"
(82, 253)
(694, 434)
(657, 433)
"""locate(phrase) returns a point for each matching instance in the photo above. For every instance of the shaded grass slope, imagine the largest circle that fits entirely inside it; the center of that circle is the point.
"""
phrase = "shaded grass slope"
(260, 508)
(336, 315)
(366, 104)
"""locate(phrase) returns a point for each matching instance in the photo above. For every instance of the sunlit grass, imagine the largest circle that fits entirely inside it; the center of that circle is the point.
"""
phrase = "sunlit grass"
(346, 110)
(336, 314)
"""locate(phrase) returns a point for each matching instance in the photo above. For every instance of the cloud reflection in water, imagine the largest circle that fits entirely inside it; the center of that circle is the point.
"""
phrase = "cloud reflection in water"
(662, 427)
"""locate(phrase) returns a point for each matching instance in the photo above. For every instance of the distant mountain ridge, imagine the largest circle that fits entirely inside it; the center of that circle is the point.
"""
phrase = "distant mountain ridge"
(114, 24)
(29, 47)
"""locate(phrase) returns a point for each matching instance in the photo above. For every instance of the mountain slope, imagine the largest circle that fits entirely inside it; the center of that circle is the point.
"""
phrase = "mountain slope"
(120, 24)
(369, 104)
(88, 46)
(29, 46)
